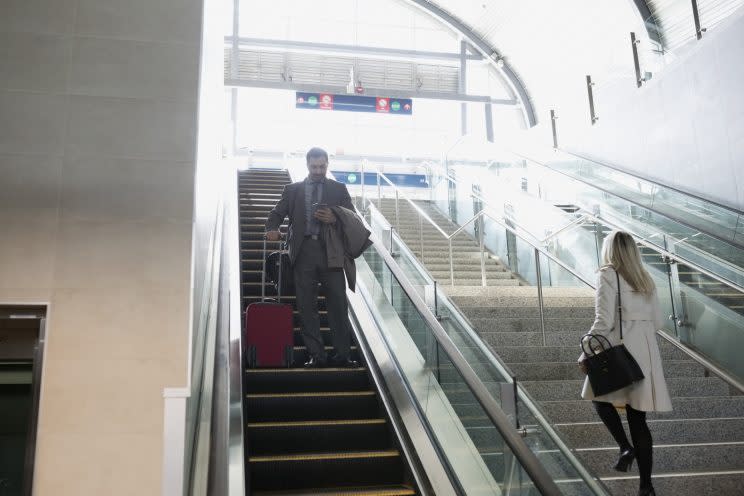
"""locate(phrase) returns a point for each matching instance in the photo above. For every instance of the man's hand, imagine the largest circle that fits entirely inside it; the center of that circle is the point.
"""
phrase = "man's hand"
(273, 235)
(325, 215)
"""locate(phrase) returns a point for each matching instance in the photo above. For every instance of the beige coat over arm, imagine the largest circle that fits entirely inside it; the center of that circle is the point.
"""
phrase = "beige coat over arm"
(641, 319)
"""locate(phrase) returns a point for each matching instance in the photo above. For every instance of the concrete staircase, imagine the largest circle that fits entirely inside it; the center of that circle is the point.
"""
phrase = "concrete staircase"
(699, 447)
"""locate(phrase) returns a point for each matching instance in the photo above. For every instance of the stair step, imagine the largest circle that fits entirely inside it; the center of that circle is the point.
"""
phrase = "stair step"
(677, 431)
(568, 354)
(703, 483)
(306, 380)
(326, 405)
(570, 371)
(678, 387)
(275, 438)
(684, 408)
(672, 458)
(369, 468)
(345, 491)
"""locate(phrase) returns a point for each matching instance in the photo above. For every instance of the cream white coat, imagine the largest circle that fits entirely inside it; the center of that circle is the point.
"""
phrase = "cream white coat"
(641, 319)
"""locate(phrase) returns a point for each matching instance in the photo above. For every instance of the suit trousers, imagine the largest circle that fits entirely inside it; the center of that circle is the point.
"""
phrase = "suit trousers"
(311, 268)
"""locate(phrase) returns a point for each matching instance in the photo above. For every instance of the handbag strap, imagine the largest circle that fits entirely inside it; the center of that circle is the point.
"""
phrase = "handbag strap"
(619, 305)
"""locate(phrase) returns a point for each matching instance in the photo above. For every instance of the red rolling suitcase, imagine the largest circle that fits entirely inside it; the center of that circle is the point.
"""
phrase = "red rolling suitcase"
(269, 327)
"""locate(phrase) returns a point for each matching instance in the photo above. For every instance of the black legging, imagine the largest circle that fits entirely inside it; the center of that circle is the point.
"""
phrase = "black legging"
(642, 442)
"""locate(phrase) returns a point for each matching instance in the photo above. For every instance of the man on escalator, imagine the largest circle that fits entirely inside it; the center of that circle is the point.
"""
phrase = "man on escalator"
(324, 236)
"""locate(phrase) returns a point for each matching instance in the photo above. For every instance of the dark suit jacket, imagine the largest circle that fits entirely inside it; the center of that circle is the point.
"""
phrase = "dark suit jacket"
(292, 204)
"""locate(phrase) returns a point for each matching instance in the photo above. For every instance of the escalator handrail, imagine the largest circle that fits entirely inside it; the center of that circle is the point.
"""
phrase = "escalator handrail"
(672, 256)
(656, 183)
(613, 193)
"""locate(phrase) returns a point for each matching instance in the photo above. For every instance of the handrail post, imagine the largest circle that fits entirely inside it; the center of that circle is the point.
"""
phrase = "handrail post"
(481, 222)
(397, 212)
(540, 295)
(696, 19)
(421, 236)
(436, 300)
(362, 174)
(379, 192)
(452, 264)
(392, 230)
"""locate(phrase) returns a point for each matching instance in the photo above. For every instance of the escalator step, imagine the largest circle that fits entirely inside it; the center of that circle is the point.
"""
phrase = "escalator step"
(326, 470)
(263, 381)
(275, 438)
(345, 491)
(326, 405)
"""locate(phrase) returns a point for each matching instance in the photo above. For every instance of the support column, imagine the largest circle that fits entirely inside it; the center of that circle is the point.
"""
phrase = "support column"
(462, 86)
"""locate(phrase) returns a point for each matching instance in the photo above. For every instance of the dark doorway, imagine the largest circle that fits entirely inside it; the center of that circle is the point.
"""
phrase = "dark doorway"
(21, 340)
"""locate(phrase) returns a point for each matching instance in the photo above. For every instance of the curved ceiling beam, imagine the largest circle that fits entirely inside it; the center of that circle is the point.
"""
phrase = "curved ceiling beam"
(486, 50)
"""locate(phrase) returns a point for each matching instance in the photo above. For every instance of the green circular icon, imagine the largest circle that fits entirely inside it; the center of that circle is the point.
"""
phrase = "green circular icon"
(352, 178)
(312, 100)
(395, 106)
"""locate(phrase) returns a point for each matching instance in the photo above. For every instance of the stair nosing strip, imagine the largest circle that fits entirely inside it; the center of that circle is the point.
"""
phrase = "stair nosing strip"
(675, 445)
(313, 423)
(305, 370)
(319, 394)
(669, 475)
(325, 456)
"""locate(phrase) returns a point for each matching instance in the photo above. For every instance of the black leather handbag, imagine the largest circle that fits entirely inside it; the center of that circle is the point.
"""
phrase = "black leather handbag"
(273, 272)
(608, 367)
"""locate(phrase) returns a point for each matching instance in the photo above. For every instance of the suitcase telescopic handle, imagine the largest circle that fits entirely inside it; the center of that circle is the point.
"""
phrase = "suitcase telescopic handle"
(263, 273)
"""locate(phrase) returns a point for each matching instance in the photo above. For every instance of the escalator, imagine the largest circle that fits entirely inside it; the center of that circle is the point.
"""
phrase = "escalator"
(319, 431)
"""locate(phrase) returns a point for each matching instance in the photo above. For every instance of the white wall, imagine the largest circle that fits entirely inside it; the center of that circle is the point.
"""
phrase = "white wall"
(98, 100)
(684, 128)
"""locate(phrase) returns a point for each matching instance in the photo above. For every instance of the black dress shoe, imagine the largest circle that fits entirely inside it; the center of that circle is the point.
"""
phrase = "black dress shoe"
(344, 362)
(647, 491)
(315, 363)
(625, 461)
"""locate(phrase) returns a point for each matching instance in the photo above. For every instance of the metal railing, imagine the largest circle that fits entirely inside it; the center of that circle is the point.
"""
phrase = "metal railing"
(542, 480)
(608, 223)
(492, 358)
(669, 256)
(483, 214)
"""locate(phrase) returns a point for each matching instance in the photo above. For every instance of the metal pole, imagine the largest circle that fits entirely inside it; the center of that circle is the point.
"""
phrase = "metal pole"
(540, 295)
(590, 92)
(696, 17)
(462, 86)
(481, 222)
(379, 192)
(452, 265)
(516, 401)
(397, 212)
(634, 46)
(362, 167)
(436, 300)
(553, 118)
(392, 229)
(421, 236)
(489, 122)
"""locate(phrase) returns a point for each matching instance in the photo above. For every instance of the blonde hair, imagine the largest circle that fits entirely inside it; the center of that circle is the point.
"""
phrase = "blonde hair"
(620, 250)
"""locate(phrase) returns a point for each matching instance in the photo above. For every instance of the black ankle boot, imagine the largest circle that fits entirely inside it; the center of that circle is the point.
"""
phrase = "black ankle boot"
(625, 461)
(647, 491)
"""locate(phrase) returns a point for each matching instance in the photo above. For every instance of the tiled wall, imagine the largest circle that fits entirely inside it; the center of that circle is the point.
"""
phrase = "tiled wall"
(684, 128)
(98, 111)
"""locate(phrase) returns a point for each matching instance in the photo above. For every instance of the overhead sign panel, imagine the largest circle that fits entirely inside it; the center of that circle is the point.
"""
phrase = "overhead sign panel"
(354, 103)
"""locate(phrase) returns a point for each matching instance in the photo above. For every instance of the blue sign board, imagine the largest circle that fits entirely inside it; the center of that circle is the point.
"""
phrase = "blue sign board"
(354, 103)
(370, 178)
